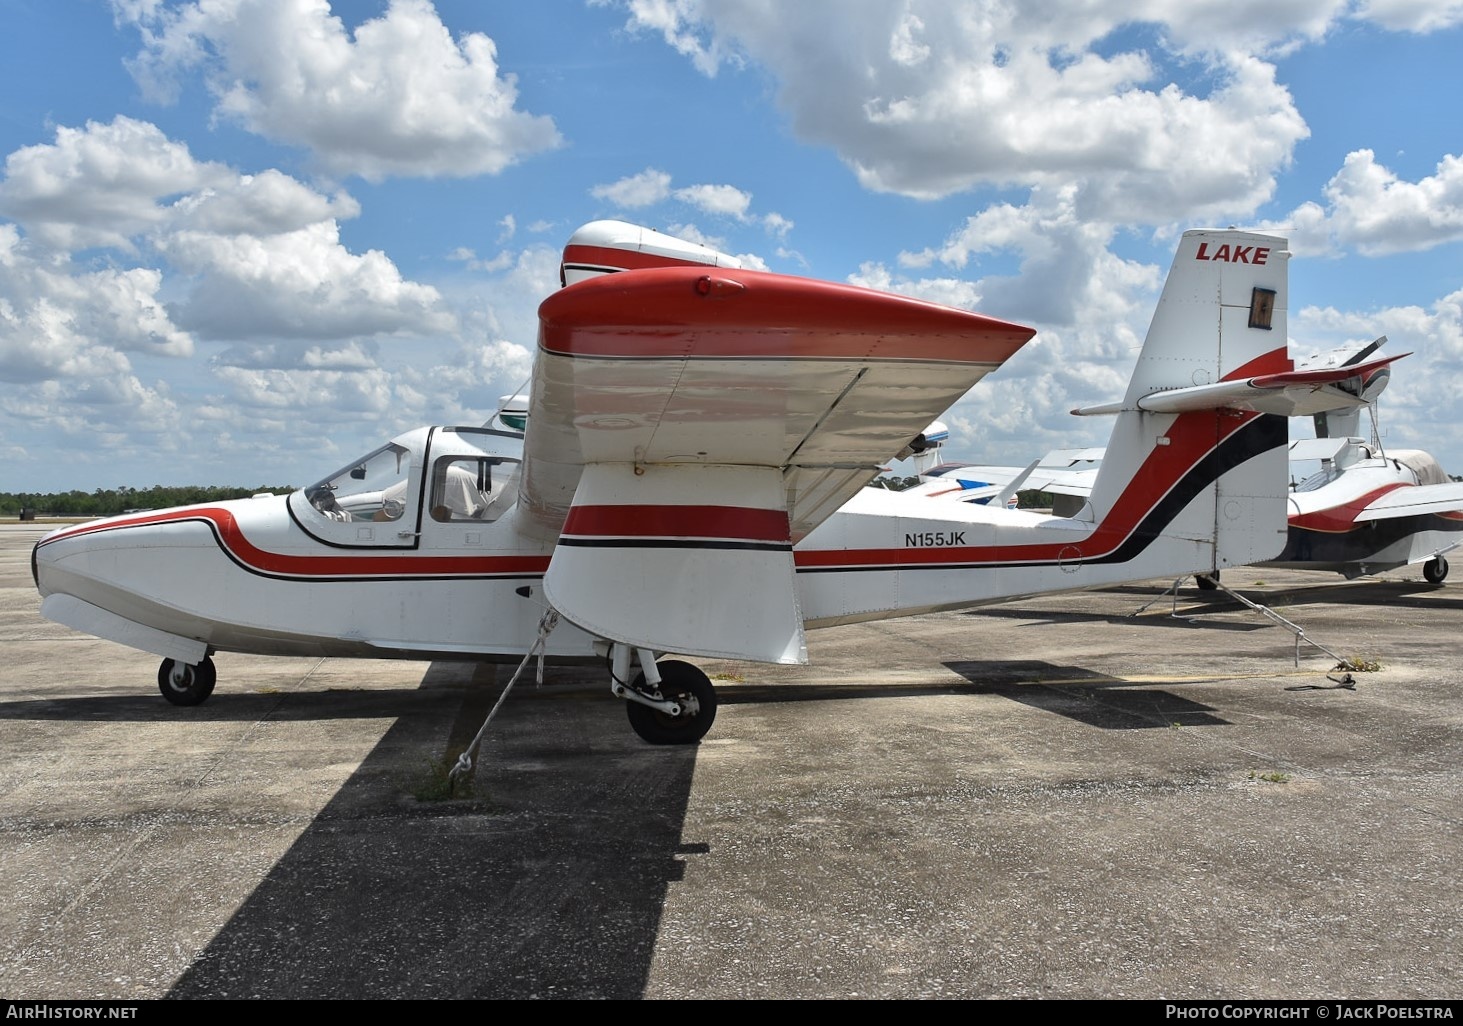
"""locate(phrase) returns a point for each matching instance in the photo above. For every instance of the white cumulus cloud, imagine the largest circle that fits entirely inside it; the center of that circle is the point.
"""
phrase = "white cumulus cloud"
(1369, 208)
(1412, 15)
(300, 284)
(398, 95)
(724, 200)
(635, 191)
(928, 98)
(56, 323)
(100, 185)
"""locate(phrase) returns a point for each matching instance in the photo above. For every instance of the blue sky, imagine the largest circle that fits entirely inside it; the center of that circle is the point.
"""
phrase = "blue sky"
(242, 242)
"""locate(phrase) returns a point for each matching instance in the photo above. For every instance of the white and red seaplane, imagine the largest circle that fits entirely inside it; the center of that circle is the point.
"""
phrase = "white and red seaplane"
(1368, 507)
(689, 479)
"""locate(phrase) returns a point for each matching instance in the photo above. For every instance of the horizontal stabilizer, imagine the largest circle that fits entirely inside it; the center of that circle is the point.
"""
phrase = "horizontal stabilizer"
(1293, 393)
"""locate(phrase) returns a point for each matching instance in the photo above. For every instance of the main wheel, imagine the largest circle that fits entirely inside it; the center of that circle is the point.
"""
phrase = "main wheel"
(1435, 570)
(185, 683)
(687, 685)
(1207, 582)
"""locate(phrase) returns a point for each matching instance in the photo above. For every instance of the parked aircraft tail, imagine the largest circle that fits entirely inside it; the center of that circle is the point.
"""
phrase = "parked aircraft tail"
(1194, 476)
(1219, 470)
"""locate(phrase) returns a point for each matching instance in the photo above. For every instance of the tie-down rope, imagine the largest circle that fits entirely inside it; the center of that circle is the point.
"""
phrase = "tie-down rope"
(546, 624)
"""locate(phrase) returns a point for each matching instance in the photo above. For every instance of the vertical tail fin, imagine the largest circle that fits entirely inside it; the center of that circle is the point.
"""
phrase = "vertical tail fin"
(1213, 475)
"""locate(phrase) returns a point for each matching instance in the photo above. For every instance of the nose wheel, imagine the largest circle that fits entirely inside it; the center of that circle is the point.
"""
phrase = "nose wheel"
(186, 683)
(1435, 570)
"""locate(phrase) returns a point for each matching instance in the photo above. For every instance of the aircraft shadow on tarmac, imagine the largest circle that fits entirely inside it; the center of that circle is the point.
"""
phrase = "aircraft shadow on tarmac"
(1091, 698)
(1073, 691)
(1155, 617)
(224, 706)
(1328, 590)
(1391, 594)
(1199, 609)
(547, 883)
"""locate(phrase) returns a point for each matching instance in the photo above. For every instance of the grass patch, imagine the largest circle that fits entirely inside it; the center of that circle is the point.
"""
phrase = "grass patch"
(1272, 777)
(1358, 665)
(436, 784)
(735, 678)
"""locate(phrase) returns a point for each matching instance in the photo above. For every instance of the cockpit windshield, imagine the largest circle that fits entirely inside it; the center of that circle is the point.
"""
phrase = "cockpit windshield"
(371, 488)
(1328, 473)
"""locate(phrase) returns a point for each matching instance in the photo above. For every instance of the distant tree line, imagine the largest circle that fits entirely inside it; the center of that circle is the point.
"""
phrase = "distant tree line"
(106, 502)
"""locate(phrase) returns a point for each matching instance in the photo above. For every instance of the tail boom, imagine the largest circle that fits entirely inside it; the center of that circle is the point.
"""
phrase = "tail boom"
(1200, 502)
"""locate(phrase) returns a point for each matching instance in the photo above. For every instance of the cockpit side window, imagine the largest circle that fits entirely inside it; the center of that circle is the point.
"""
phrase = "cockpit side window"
(472, 489)
(371, 489)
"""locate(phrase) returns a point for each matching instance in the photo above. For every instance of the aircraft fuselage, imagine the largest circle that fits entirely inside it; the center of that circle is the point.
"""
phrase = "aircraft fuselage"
(1328, 528)
(420, 550)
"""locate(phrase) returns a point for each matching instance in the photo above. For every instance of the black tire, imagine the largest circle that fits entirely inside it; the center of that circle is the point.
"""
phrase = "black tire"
(686, 684)
(1207, 582)
(1435, 570)
(186, 684)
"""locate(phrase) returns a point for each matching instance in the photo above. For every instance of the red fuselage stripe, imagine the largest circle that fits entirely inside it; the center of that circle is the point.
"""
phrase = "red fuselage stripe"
(406, 563)
(1338, 519)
